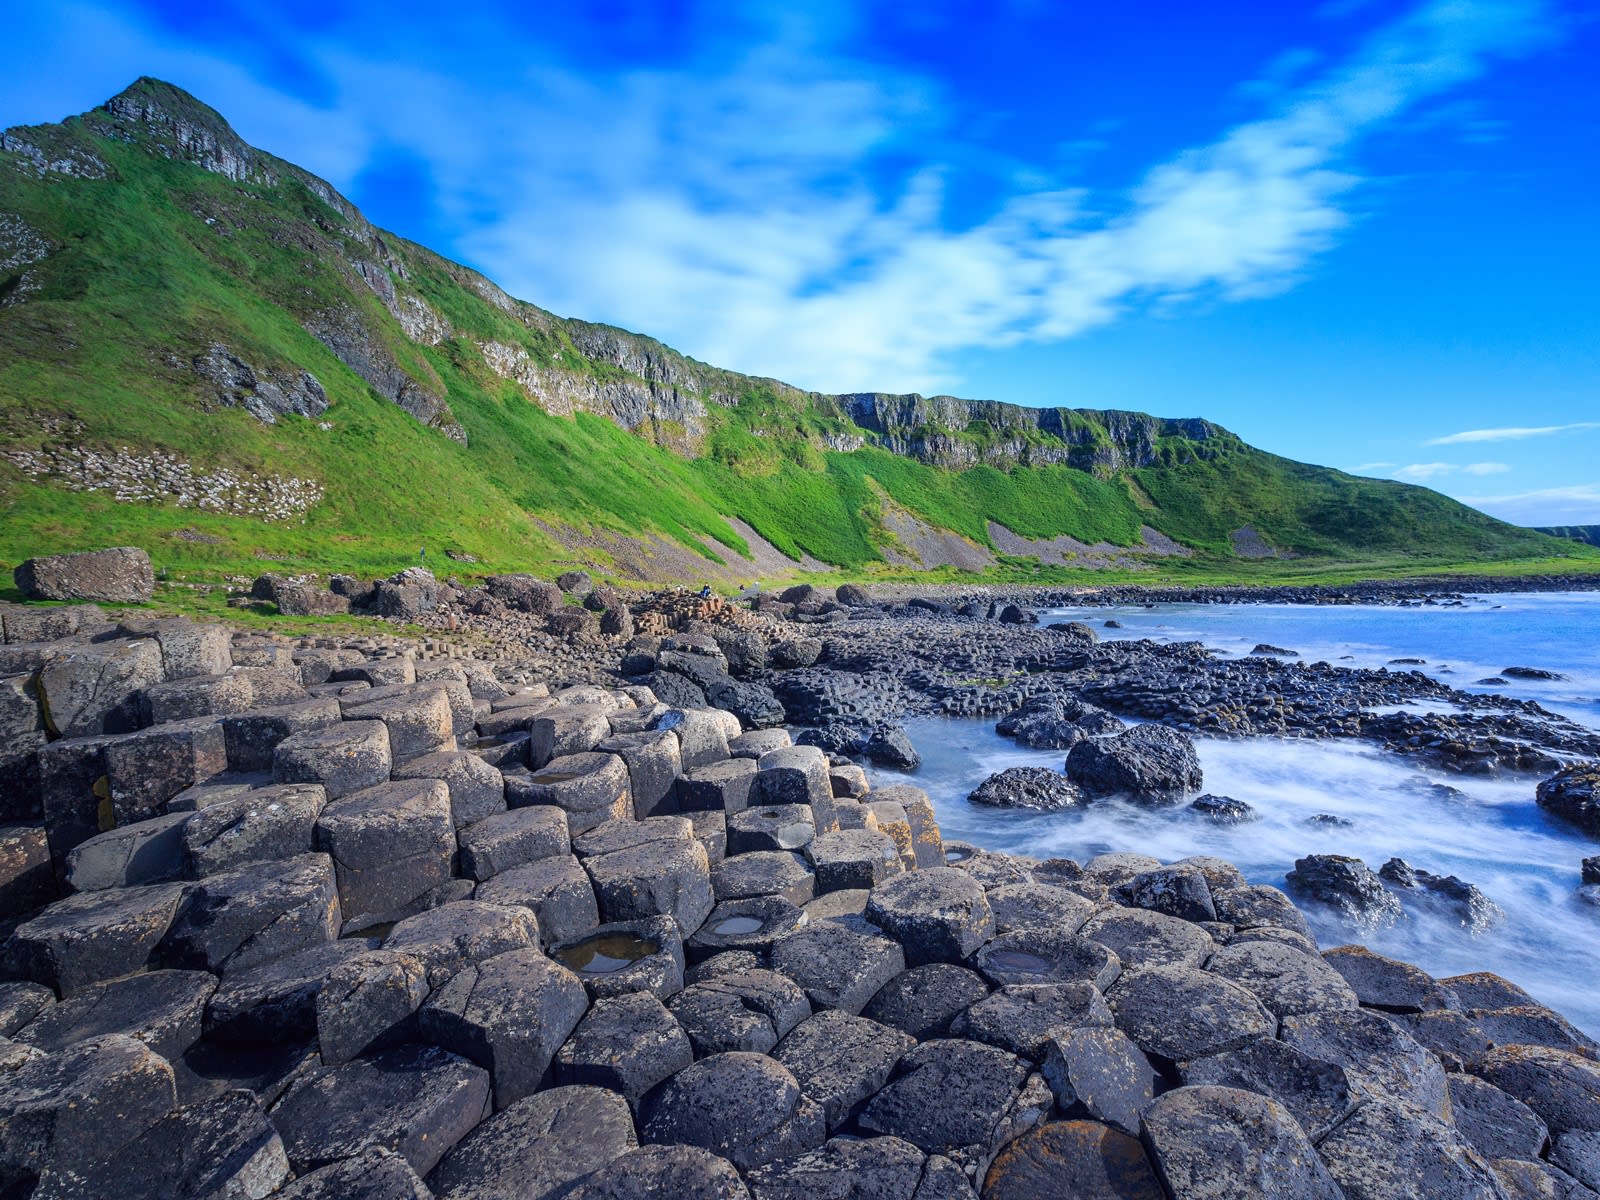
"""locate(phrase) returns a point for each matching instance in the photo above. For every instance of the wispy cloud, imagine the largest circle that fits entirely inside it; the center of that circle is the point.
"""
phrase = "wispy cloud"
(1511, 434)
(1372, 467)
(1578, 504)
(771, 201)
(1418, 472)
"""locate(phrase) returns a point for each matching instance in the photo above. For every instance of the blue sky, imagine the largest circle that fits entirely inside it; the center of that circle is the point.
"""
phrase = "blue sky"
(1358, 233)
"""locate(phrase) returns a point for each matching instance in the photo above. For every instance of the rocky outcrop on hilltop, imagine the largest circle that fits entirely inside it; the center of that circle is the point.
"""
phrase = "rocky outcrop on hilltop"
(313, 917)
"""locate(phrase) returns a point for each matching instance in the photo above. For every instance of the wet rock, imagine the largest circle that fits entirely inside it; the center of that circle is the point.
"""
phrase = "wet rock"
(1377, 1055)
(1562, 1087)
(453, 936)
(685, 1172)
(512, 839)
(1391, 1151)
(510, 1014)
(1181, 1014)
(923, 1001)
(1047, 956)
(61, 1112)
(961, 1099)
(1193, 1131)
(1028, 787)
(368, 1002)
(837, 967)
(1082, 1159)
(1284, 979)
(742, 1008)
(745, 1107)
(750, 924)
(1573, 794)
(626, 956)
(1386, 983)
(219, 1147)
(417, 1101)
(119, 576)
(1497, 1125)
(1142, 938)
(627, 1044)
(1461, 902)
(1096, 1071)
(91, 937)
(1023, 1017)
(840, 1060)
(1224, 810)
(556, 889)
(1591, 869)
(796, 652)
(165, 1010)
(1317, 1093)
(1151, 764)
(538, 1147)
(1346, 887)
(888, 746)
(937, 915)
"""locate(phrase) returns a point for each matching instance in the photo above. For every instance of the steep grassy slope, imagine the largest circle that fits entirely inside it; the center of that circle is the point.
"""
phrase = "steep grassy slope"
(1588, 534)
(164, 287)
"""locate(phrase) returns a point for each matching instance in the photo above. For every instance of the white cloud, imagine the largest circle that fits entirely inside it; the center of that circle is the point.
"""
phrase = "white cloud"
(1515, 433)
(1487, 468)
(1372, 467)
(1417, 472)
(1578, 504)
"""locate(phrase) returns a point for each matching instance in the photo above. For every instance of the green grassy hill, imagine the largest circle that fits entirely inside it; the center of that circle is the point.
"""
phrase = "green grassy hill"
(1587, 534)
(208, 352)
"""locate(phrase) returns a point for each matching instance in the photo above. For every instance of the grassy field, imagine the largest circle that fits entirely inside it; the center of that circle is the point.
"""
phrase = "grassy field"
(159, 260)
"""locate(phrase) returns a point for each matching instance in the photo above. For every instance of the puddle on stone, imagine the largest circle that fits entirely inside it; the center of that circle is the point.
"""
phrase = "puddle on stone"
(736, 925)
(556, 776)
(953, 855)
(1018, 961)
(606, 954)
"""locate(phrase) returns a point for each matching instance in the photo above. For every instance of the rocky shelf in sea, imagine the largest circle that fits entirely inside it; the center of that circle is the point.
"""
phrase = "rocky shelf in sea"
(370, 917)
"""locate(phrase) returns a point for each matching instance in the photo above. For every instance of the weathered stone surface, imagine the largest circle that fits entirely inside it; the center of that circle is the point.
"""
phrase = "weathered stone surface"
(238, 919)
(390, 844)
(91, 937)
(668, 878)
(345, 758)
(1497, 1125)
(1562, 1087)
(1149, 939)
(923, 1001)
(264, 825)
(653, 764)
(512, 839)
(747, 1009)
(165, 1010)
(1208, 1143)
(853, 859)
(769, 826)
(1028, 787)
(565, 731)
(1346, 887)
(1151, 764)
(840, 1061)
(1378, 1056)
(1318, 1093)
(958, 1098)
(556, 889)
(1176, 891)
(685, 1172)
(1095, 1071)
(745, 1107)
(275, 1003)
(937, 915)
(1578, 1154)
(1392, 1151)
(86, 689)
(149, 851)
(200, 696)
(1259, 906)
(626, 956)
(1286, 980)
(477, 790)
(119, 576)
(453, 936)
(374, 1174)
(60, 1112)
(510, 1014)
(796, 775)
(590, 788)
(222, 1147)
(188, 648)
(1387, 983)
(1082, 1159)
(367, 1002)
(418, 717)
(1180, 1014)
(837, 967)
(21, 1002)
(1047, 956)
(764, 873)
(253, 736)
(1023, 1017)
(846, 1168)
(417, 1101)
(627, 1044)
(1038, 906)
(749, 924)
(539, 1147)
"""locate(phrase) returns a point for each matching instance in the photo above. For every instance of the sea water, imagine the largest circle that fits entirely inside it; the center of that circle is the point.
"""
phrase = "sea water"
(1488, 831)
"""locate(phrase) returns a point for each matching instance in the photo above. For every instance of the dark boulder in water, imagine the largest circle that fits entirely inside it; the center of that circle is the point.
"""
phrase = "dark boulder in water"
(1150, 763)
(1268, 650)
(1536, 673)
(1028, 787)
(1346, 886)
(1224, 810)
(1463, 902)
(888, 746)
(1573, 794)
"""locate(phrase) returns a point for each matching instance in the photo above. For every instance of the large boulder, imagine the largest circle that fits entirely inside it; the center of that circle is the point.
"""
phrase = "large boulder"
(1150, 764)
(1347, 887)
(1028, 787)
(1573, 794)
(119, 576)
